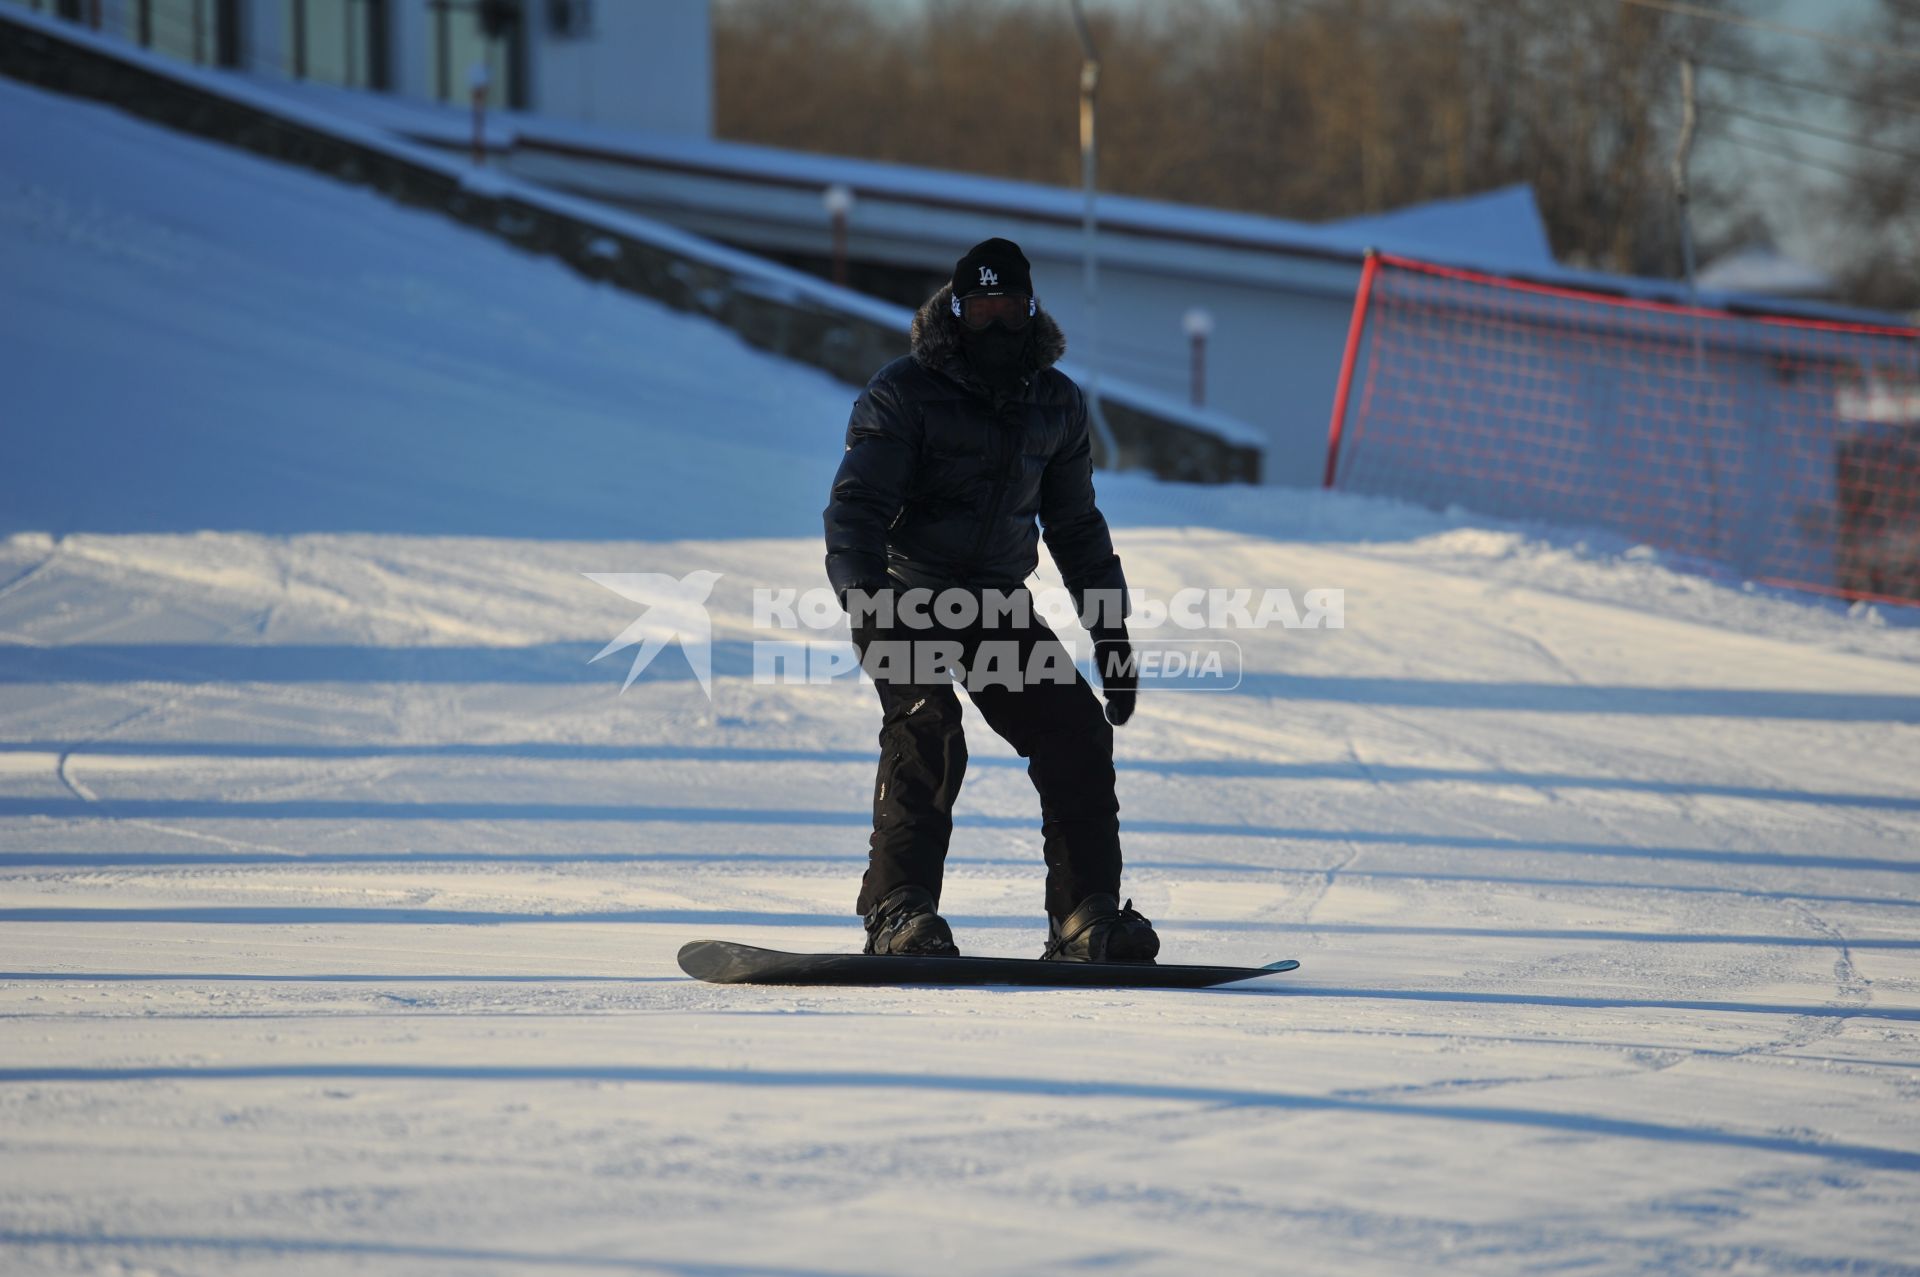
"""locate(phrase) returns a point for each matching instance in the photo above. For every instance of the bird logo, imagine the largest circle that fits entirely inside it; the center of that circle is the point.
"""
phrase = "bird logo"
(676, 612)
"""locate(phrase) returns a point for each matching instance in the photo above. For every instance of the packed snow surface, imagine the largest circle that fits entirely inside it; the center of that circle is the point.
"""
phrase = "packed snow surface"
(339, 893)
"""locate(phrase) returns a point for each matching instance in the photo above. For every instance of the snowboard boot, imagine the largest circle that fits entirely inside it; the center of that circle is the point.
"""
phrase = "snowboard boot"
(1101, 930)
(904, 923)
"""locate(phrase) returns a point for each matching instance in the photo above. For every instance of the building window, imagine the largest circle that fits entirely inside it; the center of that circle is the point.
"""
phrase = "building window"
(204, 31)
(570, 19)
(339, 42)
(466, 32)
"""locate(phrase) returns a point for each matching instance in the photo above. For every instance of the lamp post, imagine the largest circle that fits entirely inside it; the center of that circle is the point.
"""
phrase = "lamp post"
(479, 79)
(1198, 324)
(839, 201)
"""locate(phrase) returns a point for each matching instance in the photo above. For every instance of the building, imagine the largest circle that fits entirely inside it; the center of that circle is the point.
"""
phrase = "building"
(614, 63)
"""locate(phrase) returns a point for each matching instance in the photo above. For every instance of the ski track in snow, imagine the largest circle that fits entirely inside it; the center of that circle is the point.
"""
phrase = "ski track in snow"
(339, 894)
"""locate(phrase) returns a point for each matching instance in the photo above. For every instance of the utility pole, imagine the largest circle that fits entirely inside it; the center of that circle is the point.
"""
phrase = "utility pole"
(1682, 196)
(1682, 159)
(1089, 90)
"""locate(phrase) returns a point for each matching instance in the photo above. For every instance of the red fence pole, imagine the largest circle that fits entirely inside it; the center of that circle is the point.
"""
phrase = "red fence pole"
(1354, 328)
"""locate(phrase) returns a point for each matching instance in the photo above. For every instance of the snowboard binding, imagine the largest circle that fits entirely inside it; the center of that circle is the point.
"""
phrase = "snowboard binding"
(1102, 929)
(904, 923)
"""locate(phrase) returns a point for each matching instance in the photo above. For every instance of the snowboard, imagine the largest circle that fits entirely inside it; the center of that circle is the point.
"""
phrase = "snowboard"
(724, 962)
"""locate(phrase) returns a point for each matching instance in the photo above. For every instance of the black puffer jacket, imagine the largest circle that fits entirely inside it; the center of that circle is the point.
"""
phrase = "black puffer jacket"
(942, 480)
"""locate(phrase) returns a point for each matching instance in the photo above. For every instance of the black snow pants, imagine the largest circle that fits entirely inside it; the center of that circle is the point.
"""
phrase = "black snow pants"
(1057, 726)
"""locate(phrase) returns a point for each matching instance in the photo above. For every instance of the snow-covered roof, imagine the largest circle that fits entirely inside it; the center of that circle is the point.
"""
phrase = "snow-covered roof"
(1499, 232)
(1503, 224)
(1762, 268)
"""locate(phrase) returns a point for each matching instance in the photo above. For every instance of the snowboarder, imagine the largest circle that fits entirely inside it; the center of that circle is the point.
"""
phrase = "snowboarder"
(952, 452)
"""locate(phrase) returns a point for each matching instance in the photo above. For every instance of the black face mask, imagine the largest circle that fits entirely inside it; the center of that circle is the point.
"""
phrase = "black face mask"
(997, 355)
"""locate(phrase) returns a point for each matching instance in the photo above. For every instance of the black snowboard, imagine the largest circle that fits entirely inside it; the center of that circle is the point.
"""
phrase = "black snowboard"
(723, 962)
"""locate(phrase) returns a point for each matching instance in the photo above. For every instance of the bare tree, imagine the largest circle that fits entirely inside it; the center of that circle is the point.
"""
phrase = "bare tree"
(1878, 202)
(1308, 109)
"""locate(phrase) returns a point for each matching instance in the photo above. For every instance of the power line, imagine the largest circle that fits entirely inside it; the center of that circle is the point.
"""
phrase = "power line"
(1808, 86)
(1778, 28)
(1790, 155)
(1814, 130)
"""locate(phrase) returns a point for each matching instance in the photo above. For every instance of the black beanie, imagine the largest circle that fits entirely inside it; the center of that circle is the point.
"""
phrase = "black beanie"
(992, 266)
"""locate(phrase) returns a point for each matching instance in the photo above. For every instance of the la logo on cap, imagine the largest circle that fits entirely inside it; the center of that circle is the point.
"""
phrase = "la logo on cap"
(987, 277)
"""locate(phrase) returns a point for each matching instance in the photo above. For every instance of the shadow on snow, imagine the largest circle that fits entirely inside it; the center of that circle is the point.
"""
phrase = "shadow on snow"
(1216, 768)
(567, 663)
(1577, 1124)
(350, 809)
(358, 915)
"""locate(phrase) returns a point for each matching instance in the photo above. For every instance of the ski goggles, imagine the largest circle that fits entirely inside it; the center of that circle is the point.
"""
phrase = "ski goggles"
(976, 311)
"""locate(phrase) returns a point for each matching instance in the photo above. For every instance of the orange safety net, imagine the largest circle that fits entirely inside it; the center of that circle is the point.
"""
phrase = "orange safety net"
(1785, 450)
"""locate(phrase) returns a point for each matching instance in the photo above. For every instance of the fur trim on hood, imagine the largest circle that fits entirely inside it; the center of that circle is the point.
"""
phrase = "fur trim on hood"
(935, 336)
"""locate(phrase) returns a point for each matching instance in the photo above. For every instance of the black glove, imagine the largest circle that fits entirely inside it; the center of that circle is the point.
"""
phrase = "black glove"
(1119, 677)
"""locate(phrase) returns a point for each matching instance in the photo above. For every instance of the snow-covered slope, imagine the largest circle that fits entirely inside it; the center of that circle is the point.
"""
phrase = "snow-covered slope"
(198, 340)
(339, 894)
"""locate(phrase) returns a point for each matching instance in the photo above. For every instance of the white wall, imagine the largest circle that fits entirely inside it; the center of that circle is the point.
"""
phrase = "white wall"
(267, 35)
(1280, 321)
(646, 66)
(412, 52)
(1272, 360)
